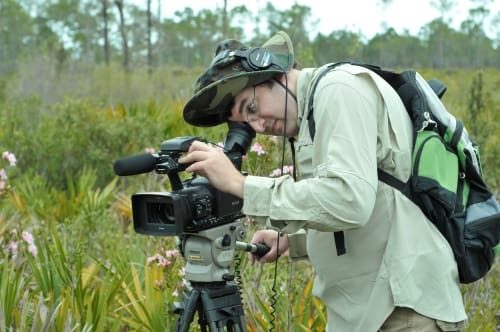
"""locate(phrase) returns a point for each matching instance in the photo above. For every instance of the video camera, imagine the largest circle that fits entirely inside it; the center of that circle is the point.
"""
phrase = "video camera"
(192, 205)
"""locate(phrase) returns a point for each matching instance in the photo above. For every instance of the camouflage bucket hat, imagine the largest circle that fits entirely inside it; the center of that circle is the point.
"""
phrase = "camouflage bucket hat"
(232, 70)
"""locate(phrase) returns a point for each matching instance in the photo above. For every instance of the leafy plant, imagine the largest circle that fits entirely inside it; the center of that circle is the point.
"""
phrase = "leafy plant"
(11, 292)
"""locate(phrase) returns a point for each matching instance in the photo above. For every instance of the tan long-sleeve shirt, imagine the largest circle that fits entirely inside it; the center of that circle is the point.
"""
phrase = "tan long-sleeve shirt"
(395, 256)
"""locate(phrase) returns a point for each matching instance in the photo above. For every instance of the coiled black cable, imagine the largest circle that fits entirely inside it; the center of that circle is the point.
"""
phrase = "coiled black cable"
(237, 275)
(274, 292)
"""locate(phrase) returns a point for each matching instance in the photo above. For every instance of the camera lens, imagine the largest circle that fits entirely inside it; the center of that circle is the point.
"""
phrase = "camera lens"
(161, 213)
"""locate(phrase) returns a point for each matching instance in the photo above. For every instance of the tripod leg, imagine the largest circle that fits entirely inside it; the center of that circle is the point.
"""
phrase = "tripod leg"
(187, 312)
(240, 327)
(223, 309)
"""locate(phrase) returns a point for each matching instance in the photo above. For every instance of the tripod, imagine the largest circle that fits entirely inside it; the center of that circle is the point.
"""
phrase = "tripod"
(211, 292)
(218, 307)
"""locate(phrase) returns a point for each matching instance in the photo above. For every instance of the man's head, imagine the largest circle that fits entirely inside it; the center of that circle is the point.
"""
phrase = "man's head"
(234, 68)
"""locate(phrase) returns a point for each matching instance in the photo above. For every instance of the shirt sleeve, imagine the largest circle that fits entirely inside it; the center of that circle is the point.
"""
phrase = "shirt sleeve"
(341, 193)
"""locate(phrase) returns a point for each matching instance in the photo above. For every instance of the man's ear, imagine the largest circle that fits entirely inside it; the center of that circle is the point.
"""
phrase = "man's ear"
(288, 81)
(281, 78)
(290, 76)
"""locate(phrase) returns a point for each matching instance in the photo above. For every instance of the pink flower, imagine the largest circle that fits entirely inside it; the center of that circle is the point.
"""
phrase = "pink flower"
(286, 170)
(33, 250)
(28, 237)
(3, 185)
(256, 147)
(164, 262)
(153, 258)
(12, 246)
(3, 174)
(275, 173)
(150, 150)
(159, 259)
(10, 157)
(174, 253)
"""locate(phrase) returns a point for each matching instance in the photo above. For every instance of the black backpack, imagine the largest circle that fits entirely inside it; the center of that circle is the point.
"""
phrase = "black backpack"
(456, 199)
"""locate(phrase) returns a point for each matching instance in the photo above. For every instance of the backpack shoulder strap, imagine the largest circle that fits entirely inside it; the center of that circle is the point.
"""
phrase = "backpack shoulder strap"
(394, 79)
(338, 236)
(310, 105)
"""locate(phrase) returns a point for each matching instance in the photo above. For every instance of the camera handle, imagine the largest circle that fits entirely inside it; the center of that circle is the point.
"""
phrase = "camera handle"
(211, 291)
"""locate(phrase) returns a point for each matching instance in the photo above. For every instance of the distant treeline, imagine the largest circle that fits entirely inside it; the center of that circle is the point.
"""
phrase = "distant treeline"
(136, 36)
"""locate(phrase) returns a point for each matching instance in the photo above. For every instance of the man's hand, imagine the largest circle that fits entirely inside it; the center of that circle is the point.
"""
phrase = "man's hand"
(269, 238)
(212, 163)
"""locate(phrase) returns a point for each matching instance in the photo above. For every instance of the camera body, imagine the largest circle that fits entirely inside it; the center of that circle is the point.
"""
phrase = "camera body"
(193, 205)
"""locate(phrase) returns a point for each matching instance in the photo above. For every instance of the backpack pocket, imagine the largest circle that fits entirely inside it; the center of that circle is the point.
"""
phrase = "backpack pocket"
(435, 181)
(479, 238)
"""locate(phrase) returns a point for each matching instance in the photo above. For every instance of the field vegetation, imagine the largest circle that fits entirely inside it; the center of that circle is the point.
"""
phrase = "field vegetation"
(70, 259)
(86, 82)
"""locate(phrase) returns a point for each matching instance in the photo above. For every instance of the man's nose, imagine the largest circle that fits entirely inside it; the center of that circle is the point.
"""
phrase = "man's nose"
(258, 125)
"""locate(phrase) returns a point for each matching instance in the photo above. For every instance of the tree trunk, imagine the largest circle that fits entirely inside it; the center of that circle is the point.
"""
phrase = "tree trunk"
(123, 32)
(224, 19)
(106, 30)
(150, 48)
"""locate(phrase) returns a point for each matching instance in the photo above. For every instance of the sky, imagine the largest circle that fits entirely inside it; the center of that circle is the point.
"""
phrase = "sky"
(365, 16)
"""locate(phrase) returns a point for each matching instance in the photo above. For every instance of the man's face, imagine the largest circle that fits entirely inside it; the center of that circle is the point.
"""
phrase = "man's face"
(263, 107)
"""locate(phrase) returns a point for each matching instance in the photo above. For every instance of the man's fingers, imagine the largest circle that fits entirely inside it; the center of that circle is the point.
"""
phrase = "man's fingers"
(199, 146)
(194, 156)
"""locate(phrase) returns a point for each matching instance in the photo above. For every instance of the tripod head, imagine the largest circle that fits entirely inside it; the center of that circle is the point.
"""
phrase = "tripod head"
(209, 253)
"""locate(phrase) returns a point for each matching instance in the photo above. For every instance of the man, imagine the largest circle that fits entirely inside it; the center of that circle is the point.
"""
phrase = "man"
(397, 273)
